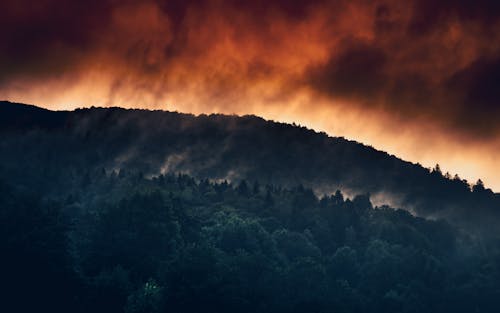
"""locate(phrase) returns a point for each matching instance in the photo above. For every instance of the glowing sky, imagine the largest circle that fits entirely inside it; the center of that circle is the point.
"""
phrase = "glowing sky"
(419, 79)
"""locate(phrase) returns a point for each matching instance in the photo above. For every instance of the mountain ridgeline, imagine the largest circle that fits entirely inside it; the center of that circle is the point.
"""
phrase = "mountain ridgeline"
(40, 148)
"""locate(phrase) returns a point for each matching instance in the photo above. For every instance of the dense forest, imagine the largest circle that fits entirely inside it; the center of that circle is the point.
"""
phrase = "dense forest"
(113, 210)
(120, 242)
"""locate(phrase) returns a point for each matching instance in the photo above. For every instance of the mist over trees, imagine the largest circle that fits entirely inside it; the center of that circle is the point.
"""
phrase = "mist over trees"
(112, 210)
(124, 243)
(54, 145)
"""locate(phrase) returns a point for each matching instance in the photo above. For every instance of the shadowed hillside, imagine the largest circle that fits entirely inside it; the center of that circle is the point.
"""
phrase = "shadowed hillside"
(133, 211)
(41, 149)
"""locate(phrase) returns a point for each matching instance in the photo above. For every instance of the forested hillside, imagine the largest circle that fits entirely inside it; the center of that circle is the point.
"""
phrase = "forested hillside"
(120, 242)
(43, 150)
(113, 210)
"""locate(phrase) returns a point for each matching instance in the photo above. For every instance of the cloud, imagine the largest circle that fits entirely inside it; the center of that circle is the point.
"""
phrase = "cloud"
(438, 62)
(357, 72)
(476, 94)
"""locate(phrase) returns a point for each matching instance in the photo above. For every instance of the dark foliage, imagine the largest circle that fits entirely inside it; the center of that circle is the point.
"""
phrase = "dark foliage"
(124, 243)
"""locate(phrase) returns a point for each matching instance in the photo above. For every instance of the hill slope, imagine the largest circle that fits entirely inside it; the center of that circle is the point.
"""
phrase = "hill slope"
(51, 146)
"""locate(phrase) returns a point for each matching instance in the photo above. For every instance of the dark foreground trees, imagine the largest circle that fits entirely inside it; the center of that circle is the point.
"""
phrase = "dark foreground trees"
(123, 243)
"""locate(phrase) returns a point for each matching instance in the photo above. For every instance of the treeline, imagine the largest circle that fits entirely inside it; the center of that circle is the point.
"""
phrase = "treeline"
(121, 242)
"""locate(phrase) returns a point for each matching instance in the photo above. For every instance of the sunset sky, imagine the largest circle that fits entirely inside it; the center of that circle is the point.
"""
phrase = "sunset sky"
(418, 79)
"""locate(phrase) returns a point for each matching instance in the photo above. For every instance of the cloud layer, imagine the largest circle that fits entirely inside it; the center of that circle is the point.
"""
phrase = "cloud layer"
(417, 78)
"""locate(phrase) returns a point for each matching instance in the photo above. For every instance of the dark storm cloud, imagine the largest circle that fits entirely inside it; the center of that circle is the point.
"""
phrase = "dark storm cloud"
(357, 71)
(429, 15)
(476, 94)
(439, 61)
(44, 37)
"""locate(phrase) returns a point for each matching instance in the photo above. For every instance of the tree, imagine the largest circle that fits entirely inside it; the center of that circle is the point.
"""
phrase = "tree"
(478, 187)
(147, 299)
(437, 170)
(35, 265)
(243, 188)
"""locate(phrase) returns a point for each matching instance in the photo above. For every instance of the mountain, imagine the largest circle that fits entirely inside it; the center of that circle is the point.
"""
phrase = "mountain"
(42, 149)
(134, 211)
